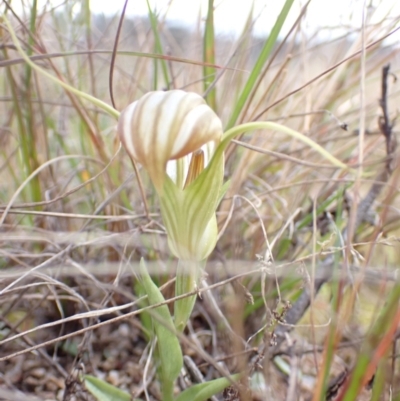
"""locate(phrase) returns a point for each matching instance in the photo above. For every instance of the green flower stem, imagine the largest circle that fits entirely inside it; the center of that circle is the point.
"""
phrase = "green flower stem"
(102, 105)
(187, 276)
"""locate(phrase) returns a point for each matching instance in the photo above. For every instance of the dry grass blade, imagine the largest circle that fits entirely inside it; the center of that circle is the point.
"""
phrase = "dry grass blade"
(297, 278)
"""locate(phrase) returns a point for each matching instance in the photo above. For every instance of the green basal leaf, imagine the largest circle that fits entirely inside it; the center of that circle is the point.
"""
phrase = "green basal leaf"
(203, 391)
(104, 391)
(169, 349)
(145, 318)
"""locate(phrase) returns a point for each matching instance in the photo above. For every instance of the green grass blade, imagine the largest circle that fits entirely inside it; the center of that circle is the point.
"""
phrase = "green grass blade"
(25, 161)
(379, 381)
(265, 53)
(108, 109)
(209, 57)
(335, 197)
(376, 340)
(158, 50)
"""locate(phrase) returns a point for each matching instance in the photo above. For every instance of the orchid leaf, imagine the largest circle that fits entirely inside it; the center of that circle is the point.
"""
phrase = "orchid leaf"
(104, 391)
(203, 391)
(169, 349)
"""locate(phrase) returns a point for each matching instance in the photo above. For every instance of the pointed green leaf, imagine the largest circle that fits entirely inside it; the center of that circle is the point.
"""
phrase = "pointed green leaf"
(104, 391)
(169, 349)
(203, 391)
(145, 318)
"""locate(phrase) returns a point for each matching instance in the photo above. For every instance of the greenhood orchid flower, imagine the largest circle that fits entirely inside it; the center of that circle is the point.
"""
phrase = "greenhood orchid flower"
(174, 135)
(179, 140)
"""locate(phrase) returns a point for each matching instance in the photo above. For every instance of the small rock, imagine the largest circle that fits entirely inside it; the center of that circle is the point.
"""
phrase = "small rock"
(124, 330)
(113, 378)
(38, 373)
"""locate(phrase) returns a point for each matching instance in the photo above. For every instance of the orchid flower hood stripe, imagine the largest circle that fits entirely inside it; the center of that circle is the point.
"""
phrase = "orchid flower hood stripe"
(163, 126)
